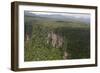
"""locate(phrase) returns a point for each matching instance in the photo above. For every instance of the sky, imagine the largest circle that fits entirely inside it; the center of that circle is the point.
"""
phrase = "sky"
(76, 15)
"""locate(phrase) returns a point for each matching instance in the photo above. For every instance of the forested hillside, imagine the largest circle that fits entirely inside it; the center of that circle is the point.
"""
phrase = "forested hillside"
(64, 37)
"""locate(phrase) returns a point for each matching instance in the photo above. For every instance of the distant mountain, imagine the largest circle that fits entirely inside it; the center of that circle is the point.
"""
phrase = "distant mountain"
(27, 13)
(84, 18)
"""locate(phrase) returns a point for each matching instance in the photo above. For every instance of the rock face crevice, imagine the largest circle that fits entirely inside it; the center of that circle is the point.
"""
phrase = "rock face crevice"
(57, 41)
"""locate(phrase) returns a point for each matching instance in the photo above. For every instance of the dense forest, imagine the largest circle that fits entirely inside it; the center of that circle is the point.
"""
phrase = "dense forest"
(48, 39)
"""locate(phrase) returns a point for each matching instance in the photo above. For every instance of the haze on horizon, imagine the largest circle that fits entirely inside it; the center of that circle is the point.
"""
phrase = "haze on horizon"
(85, 17)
